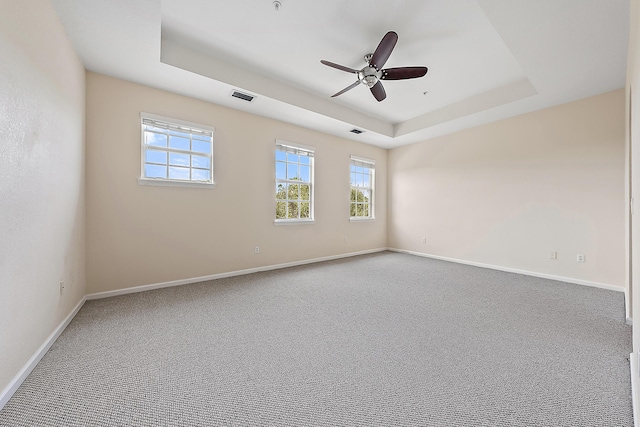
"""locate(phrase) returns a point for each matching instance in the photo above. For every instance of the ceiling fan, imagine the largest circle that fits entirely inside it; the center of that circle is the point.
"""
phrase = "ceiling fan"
(372, 74)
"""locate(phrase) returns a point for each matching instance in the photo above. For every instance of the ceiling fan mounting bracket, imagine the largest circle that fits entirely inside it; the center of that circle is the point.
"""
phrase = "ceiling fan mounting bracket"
(367, 57)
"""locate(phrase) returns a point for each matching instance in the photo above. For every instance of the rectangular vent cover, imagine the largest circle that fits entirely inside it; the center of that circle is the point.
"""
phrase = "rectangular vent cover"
(243, 96)
(356, 131)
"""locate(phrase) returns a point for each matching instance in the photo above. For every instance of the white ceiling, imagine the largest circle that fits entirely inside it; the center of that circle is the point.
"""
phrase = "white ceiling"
(487, 59)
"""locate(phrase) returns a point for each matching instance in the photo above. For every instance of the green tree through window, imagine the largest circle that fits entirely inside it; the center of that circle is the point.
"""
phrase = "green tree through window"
(361, 172)
(359, 204)
(293, 201)
(294, 172)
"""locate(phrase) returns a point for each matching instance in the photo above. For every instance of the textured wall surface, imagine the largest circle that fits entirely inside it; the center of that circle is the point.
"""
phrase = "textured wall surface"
(42, 217)
(142, 234)
(507, 193)
(633, 111)
(633, 121)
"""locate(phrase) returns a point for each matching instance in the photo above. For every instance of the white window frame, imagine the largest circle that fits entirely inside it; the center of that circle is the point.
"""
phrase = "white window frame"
(298, 149)
(371, 165)
(184, 126)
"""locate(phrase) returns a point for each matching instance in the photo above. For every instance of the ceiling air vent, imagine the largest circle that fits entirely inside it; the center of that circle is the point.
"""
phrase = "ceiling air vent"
(356, 131)
(242, 95)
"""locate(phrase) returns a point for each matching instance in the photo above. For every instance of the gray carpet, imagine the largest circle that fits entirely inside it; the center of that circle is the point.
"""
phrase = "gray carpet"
(380, 340)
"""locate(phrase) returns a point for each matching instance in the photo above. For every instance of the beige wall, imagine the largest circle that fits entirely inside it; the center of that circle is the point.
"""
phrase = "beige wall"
(633, 155)
(41, 180)
(503, 194)
(633, 129)
(507, 193)
(139, 235)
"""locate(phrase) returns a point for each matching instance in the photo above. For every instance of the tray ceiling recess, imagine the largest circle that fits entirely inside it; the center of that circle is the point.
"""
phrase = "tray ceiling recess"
(487, 59)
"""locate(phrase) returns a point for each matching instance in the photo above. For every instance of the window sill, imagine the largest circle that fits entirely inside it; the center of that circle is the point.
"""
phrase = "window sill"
(293, 221)
(168, 183)
(361, 219)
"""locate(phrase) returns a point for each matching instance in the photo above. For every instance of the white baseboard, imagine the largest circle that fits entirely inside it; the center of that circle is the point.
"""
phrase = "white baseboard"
(15, 383)
(22, 375)
(515, 270)
(627, 305)
(633, 365)
(10, 389)
(143, 288)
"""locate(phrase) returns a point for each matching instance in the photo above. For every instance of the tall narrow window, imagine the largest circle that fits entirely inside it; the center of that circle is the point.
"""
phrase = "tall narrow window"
(362, 173)
(294, 183)
(176, 152)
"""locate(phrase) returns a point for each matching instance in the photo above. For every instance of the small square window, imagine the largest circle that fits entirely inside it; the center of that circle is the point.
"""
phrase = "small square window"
(176, 152)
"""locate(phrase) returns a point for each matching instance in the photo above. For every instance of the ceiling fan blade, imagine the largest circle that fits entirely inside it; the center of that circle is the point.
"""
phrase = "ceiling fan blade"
(384, 49)
(402, 73)
(347, 88)
(378, 91)
(339, 67)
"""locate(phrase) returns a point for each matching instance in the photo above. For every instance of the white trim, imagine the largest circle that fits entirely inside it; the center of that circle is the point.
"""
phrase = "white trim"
(22, 375)
(197, 126)
(15, 383)
(300, 150)
(296, 146)
(361, 219)
(371, 165)
(192, 128)
(293, 221)
(518, 271)
(363, 160)
(627, 306)
(175, 183)
(142, 288)
(633, 367)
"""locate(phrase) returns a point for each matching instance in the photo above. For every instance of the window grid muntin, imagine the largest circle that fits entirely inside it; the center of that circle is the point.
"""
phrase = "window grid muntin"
(165, 128)
(361, 171)
(298, 158)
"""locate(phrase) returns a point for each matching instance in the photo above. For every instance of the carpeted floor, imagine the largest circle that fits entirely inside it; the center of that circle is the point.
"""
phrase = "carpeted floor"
(386, 339)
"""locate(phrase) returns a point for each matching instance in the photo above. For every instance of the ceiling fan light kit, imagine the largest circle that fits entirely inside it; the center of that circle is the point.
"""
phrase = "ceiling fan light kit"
(373, 73)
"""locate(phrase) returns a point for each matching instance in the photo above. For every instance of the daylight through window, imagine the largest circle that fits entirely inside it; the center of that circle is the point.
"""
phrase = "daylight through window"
(362, 180)
(294, 182)
(174, 151)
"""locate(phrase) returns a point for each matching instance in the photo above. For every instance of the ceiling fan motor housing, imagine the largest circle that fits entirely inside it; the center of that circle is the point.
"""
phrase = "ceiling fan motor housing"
(373, 73)
(369, 75)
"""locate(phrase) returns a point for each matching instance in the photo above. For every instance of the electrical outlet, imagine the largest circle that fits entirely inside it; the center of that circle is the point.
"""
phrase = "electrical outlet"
(553, 255)
(256, 250)
(61, 287)
(424, 240)
(346, 240)
(580, 258)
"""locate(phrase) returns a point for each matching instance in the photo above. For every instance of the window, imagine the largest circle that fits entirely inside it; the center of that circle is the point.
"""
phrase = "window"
(294, 183)
(176, 152)
(362, 173)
